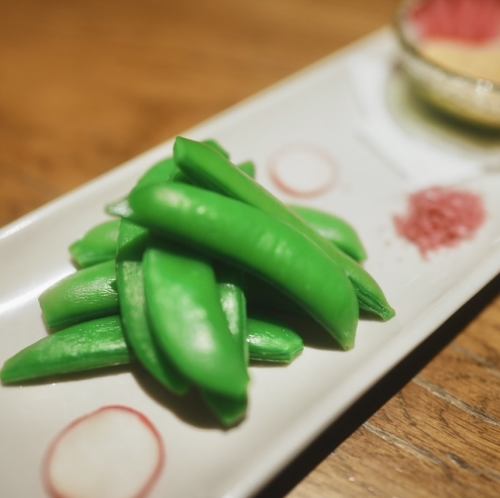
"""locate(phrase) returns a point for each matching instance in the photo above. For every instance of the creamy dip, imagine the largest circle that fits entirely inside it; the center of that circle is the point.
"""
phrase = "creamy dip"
(474, 60)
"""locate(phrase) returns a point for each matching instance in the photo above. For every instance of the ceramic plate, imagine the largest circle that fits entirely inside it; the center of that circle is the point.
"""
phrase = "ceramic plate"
(314, 112)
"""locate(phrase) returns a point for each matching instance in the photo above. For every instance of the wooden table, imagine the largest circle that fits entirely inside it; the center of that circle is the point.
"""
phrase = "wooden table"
(86, 85)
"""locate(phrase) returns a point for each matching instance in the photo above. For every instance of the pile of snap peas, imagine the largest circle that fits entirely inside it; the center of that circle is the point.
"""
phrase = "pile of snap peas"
(166, 283)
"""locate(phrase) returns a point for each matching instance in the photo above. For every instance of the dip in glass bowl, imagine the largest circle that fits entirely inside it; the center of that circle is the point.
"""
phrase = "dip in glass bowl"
(451, 55)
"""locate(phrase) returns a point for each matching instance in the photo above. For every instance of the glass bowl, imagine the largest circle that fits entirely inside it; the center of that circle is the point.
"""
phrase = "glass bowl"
(475, 100)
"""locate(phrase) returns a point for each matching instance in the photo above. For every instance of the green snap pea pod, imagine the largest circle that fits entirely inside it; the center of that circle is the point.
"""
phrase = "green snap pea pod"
(211, 170)
(188, 322)
(80, 348)
(86, 294)
(100, 343)
(272, 341)
(258, 242)
(129, 278)
(334, 229)
(97, 245)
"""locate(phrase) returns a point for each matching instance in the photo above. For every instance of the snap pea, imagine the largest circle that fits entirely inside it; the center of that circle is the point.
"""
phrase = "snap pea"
(211, 170)
(129, 278)
(249, 237)
(80, 348)
(275, 341)
(96, 246)
(188, 322)
(334, 229)
(331, 227)
(86, 294)
(100, 343)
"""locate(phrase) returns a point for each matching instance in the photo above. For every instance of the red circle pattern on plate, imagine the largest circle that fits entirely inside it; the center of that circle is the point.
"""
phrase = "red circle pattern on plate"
(143, 493)
(315, 152)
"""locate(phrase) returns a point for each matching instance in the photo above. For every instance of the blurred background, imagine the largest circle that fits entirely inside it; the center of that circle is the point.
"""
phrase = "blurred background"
(86, 85)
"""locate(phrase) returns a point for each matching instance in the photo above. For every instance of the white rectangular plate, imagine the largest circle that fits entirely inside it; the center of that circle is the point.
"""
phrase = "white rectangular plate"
(290, 405)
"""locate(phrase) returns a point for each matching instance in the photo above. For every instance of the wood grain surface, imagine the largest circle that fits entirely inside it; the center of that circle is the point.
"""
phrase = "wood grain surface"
(85, 85)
